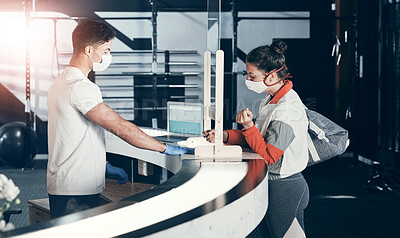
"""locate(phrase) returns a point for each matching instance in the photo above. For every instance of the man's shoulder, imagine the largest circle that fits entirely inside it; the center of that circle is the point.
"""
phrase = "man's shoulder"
(85, 86)
(75, 77)
(72, 74)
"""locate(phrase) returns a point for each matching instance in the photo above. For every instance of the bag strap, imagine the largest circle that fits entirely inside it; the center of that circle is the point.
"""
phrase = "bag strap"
(321, 135)
(318, 131)
(311, 148)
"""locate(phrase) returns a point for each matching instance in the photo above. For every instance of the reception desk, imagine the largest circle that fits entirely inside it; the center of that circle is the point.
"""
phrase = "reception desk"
(202, 199)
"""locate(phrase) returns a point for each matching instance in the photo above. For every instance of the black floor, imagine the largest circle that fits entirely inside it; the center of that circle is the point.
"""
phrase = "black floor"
(32, 185)
(339, 205)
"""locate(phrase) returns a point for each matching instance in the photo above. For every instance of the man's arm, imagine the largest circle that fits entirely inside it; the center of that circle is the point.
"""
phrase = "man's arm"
(107, 118)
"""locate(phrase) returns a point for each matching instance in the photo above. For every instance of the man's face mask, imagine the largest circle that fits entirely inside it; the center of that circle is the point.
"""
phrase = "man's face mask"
(103, 65)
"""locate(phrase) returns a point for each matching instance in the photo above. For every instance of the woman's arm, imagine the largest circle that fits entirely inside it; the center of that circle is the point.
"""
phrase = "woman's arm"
(278, 138)
(236, 137)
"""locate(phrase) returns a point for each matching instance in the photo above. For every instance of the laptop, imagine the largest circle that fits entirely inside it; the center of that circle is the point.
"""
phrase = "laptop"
(184, 120)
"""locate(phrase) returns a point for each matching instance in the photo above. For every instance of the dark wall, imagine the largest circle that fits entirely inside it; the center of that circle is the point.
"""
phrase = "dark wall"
(365, 84)
(11, 109)
(389, 80)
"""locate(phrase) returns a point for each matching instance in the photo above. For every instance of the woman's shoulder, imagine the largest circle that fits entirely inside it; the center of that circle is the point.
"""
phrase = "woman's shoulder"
(291, 97)
(290, 106)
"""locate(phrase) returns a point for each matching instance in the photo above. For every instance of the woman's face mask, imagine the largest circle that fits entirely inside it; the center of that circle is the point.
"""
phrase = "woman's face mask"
(258, 87)
(103, 65)
(256, 79)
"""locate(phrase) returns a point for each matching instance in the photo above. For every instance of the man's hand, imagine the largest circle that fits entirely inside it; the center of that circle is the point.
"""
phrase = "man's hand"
(177, 150)
(245, 117)
(116, 173)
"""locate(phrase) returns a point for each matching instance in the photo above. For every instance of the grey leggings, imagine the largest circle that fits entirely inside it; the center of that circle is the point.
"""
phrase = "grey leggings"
(288, 197)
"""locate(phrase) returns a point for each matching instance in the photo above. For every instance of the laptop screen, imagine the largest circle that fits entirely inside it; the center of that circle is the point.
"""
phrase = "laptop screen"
(185, 118)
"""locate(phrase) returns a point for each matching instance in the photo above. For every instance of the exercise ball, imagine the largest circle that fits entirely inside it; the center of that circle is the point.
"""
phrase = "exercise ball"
(12, 143)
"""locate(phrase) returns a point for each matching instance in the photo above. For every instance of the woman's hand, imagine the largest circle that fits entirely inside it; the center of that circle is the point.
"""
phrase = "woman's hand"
(210, 136)
(245, 117)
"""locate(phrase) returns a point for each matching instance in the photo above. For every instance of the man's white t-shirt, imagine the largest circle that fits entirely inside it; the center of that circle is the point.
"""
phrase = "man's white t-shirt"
(77, 153)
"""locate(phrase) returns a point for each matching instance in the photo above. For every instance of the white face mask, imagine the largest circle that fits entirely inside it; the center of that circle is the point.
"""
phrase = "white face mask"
(258, 87)
(103, 65)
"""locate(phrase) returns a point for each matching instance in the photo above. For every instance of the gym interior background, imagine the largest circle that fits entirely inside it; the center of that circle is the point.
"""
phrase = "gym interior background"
(344, 57)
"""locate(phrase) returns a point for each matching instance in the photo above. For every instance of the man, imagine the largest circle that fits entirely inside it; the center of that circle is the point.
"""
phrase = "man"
(77, 116)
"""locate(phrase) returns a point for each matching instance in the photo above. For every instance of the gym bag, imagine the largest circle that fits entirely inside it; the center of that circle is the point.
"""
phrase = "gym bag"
(325, 138)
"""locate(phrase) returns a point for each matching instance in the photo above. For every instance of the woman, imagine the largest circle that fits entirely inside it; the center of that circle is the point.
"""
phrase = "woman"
(278, 135)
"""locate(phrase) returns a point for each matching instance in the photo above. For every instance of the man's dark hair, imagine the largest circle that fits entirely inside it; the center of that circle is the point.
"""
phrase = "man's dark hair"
(89, 33)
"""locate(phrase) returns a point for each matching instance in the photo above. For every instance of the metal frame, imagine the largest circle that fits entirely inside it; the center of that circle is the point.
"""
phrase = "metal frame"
(235, 24)
(154, 51)
(143, 52)
(91, 18)
(153, 4)
(389, 79)
(357, 77)
(28, 6)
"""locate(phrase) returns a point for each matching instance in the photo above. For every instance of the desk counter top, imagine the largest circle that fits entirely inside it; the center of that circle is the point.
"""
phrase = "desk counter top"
(203, 199)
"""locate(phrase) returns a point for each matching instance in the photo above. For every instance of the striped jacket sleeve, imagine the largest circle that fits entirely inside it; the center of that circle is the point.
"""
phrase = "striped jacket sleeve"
(277, 139)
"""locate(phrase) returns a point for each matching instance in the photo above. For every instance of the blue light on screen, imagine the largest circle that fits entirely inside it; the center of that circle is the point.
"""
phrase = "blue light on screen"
(185, 118)
(185, 127)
